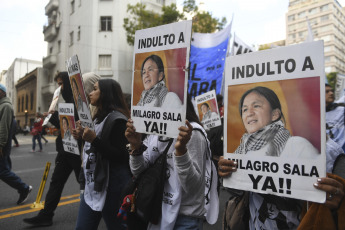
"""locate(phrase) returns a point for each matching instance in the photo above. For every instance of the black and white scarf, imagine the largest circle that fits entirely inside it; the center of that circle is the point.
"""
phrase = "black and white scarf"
(274, 134)
(158, 92)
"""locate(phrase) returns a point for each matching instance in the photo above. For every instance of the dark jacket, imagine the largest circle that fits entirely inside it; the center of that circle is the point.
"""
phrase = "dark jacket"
(106, 149)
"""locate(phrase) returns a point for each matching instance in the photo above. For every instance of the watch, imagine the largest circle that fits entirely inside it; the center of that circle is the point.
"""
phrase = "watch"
(136, 152)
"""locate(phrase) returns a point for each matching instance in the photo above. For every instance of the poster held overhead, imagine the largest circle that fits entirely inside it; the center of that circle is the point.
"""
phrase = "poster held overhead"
(79, 96)
(159, 83)
(67, 124)
(208, 110)
(52, 106)
(275, 121)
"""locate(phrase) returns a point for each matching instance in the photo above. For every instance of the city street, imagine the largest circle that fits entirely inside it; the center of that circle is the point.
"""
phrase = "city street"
(30, 167)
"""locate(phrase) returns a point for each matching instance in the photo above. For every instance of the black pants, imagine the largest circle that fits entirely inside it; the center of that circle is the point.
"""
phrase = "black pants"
(15, 139)
(65, 163)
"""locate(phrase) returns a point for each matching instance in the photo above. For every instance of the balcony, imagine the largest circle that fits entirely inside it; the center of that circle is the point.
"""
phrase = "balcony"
(49, 32)
(48, 89)
(49, 61)
(52, 5)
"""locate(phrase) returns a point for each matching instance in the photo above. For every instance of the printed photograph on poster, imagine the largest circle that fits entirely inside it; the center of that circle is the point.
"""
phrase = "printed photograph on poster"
(274, 125)
(159, 86)
(52, 106)
(67, 124)
(207, 109)
(79, 96)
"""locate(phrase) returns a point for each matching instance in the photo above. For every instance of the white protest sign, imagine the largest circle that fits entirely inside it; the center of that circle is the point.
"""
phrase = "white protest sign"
(280, 150)
(159, 84)
(78, 90)
(208, 110)
(52, 105)
(67, 123)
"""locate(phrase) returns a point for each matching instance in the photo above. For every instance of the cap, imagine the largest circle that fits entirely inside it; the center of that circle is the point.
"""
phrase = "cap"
(3, 88)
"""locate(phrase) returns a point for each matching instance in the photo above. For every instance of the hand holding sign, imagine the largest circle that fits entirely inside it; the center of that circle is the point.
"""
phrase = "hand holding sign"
(132, 136)
(226, 167)
(334, 190)
(183, 138)
(89, 135)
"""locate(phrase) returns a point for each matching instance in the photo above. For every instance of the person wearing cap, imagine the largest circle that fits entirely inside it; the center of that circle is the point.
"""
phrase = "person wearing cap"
(6, 131)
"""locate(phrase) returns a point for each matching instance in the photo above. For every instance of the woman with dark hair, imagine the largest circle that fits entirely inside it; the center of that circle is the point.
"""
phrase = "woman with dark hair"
(105, 168)
(155, 92)
(188, 159)
(66, 129)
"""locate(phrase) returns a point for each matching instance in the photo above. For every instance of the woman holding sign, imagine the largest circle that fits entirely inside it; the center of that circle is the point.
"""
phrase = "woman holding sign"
(155, 92)
(266, 135)
(105, 159)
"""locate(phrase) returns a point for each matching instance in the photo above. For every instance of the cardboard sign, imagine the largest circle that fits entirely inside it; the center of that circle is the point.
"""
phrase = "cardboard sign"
(208, 110)
(159, 84)
(279, 151)
(67, 123)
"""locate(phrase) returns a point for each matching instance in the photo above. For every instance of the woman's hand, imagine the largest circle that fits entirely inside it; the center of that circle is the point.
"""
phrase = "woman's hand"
(89, 135)
(183, 138)
(226, 167)
(78, 131)
(334, 191)
(132, 136)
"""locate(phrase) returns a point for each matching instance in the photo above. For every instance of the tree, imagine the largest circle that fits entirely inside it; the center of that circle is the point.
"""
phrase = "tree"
(140, 18)
(331, 78)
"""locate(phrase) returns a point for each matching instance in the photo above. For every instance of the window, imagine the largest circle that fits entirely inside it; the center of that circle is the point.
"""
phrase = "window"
(26, 101)
(324, 8)
(71, 35)
(106, 23)
(59, 46)
(78, 35)
(31, 100)
(50, 50)
(313, 11)
(327, 58)
(324, 18)
(291, 18)
(18, 106)
(301, 14)
(72, 6)
(104, 61)
(23, 103)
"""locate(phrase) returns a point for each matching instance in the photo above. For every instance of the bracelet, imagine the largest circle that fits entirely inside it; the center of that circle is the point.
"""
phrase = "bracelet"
(136, 152)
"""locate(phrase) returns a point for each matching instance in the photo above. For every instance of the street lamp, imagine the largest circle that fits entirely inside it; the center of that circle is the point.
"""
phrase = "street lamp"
(26, 118)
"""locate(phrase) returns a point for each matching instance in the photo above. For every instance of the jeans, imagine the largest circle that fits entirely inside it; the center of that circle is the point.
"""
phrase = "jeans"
(6, 175)
(188, 222)
(38, 137)
(89, 219)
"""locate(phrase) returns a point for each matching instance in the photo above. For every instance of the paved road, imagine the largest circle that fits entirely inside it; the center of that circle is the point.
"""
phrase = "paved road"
(30, 167)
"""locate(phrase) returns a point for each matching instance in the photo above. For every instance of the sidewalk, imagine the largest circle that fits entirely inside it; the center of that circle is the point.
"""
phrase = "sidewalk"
(27, 140)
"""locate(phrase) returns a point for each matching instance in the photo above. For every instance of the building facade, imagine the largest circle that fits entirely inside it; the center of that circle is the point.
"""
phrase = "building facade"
(93, 31)
(29, 98)
(327, 20)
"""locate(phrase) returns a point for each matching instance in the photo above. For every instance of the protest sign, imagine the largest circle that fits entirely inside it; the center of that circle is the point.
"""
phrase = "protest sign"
(273, 159)
(52, 105)
(208, 110)
(339, 90)
(159, 84)
(67, 123)
(207, 61)
(78, 90)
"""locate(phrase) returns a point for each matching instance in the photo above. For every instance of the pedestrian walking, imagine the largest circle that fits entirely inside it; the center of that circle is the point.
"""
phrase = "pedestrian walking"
(6, 131)
(36, 132)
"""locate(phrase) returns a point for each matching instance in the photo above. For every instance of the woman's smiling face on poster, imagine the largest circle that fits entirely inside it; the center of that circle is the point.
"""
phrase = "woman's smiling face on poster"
(64, 125)
(150, 74)
(95, 94)
(257, 112)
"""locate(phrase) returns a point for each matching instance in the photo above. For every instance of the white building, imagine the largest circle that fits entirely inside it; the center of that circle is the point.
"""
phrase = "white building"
(94, 31)
(19, 68)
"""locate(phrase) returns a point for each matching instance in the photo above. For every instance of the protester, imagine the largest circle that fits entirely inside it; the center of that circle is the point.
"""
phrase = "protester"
(335, 120)
(14, 138)
(207, 113)
(105, 158)
(36, 132)
(65, 162)
(184, 207)
(155, 92)
(6, 131)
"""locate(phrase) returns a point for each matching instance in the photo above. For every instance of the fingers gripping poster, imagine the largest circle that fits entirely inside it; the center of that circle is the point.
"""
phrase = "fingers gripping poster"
(208, 110)
(67, 123)
(274, 121)
(159, 84)
(79, 96)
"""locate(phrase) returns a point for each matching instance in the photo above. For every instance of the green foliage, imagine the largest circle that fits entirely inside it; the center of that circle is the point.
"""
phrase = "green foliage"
(140, 18)
(264, 47)
(331, 78)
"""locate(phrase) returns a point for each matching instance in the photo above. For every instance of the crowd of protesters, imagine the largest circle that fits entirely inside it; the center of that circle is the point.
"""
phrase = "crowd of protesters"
(105, 165)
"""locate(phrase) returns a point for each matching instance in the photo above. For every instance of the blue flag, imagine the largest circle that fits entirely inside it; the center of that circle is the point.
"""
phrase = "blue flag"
(207, 61)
